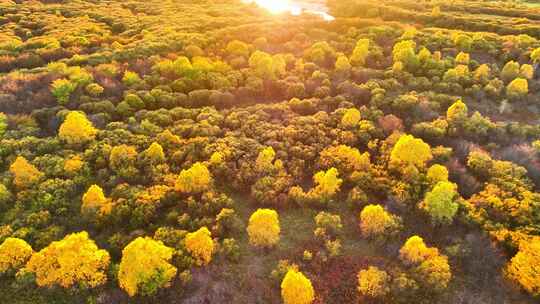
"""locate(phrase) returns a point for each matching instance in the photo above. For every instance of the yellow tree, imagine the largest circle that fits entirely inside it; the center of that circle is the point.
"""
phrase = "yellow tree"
(122, 157)
(376, 222)
(437, 173)
(411, 151)
(457, 112)
(328, 184)
(238, 48)
(77, 129)
(373, 282)
(351, 118)
(194, 180)
(518, 88)
(526, 71)
(154, 153)
(342, 64)
(404, 52)
(296, 288)
(345, 159)
(360, 52)
(73, 165)
(73, 261)
(510, 71)
(524, 267)
(145, 267)
(535, 55)
(94, 201)
(482, 73)
(415, 251)
(200, 245)
(14, 253)
(24, 173)
(263, 228)
(463, 58)
(429, 266)
(263, 163)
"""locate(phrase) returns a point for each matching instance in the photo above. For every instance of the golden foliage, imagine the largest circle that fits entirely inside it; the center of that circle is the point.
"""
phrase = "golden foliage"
(73, 164)
(437, 173)
(95, 201)
(526, 71)
(263, 228)
(77, 129)
(360, 52)
(373, 282)
(524, 267)
(457, 112)
(296, 288)
(328, 183)
(194, 180)
(535, 55)
(519, 87)
(342, 64)
(482, 73)
(155, 153)
(145, 267)
(351, 118)
(74, 260)
(14, 253)
(200, 245)
(411, 151)
(346, 159)
(24, 173)
(429, 265)
(463, 58)
(263, 163)
(376, 222)
(415, 251)
(122, 156)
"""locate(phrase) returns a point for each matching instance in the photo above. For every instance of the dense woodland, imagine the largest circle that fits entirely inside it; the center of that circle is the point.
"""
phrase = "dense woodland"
(209, 151)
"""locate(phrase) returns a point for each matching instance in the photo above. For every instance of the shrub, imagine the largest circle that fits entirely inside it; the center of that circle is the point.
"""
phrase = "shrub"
(62, 89)
(94, 89)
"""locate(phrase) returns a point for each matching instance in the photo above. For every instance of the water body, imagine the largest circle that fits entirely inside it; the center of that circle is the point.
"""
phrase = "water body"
(293, 7)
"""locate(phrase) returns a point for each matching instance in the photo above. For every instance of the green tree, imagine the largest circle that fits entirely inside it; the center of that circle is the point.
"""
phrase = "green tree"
(440, 203)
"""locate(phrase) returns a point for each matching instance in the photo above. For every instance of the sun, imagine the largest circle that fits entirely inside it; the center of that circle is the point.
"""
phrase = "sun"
(278, 6)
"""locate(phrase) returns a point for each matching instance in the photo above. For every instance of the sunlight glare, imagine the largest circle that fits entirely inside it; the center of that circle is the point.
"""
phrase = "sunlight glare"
(278, 6)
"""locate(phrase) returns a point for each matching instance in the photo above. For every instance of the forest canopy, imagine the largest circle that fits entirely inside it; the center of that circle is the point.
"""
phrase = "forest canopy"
(298, 152)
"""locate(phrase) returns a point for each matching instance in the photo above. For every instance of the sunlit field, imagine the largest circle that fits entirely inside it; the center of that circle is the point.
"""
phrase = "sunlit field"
(257, 151)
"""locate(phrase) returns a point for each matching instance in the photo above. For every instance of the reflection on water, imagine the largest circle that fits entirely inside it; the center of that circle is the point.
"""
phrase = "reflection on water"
(293, 7)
